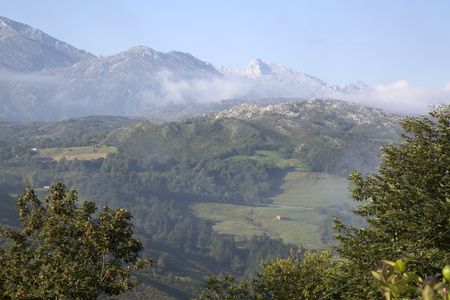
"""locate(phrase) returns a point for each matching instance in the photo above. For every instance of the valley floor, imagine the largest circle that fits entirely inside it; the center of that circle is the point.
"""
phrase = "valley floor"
(296, 215)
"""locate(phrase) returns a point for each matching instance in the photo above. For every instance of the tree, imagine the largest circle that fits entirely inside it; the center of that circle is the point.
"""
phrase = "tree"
(225, 289)
(312, 276)
(397, 283)
(406, 204)
(66, 251)
(407, 208)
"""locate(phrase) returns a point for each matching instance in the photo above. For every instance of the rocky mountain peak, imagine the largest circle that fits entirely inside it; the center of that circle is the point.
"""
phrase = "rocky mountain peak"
(10, 27)
(27, 49)
(257, 68)
(352, 87)
(142, 51)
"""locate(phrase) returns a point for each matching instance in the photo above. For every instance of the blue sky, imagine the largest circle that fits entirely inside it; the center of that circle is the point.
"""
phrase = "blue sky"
(378, 42)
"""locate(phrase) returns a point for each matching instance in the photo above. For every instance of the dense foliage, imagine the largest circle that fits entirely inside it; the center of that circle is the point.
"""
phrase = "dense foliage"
(65, 251)
(406, 204)
(407, 208)
(396, 282)
(309, 275)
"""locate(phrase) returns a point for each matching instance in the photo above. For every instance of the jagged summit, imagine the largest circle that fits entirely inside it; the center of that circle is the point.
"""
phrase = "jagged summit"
(140, 64)
(7, 27)
(27, 49)
(352, 87)
(142, 59)
(145, 52)
(10, 27)
(185, 57)
(257, 68)
(149, 53)
(142, 51)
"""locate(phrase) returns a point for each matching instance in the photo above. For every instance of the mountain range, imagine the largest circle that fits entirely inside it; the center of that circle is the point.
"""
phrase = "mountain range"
(44, 79)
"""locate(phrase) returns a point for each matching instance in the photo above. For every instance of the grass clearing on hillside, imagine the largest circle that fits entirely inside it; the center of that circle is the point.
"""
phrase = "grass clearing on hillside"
(302, 193)
(312, 189)
(80, 153)
(299, 227)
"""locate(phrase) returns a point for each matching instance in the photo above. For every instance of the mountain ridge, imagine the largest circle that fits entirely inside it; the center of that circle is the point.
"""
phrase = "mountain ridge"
(300, 109)
(330, 135)
(27, 49)
(140, 81)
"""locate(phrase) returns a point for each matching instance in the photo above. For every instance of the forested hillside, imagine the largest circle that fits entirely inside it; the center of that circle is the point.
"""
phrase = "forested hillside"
(246, 157)
(403, 250)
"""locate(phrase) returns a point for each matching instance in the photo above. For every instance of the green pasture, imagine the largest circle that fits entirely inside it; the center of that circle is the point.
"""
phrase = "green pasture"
(302, 193)
(80, 153)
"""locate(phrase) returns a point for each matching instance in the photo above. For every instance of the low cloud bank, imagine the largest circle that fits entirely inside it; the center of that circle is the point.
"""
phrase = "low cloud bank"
(164, 88)
(203, 90)
(401, 97)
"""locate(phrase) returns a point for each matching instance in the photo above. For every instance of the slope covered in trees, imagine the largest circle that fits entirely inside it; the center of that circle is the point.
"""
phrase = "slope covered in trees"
(407, 208)
(160, 170)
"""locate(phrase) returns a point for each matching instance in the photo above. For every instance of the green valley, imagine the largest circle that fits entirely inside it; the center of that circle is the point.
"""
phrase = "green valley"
(224, 190)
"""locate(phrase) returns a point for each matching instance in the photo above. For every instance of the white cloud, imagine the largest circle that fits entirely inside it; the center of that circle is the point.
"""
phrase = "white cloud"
(203, 90)
(167, 88)
(399, 96)
(402, 97)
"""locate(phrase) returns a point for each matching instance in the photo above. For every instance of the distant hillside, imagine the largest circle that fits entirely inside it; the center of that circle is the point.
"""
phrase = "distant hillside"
(73, 132)
(325, 135)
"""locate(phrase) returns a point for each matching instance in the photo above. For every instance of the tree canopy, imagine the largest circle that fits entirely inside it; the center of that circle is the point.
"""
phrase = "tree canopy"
(406, 204)
(407, 208)
(67, 251)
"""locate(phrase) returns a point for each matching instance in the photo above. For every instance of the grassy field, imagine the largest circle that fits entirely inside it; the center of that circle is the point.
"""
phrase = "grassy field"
(303, 193)
(312, 189)
(80, 153)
